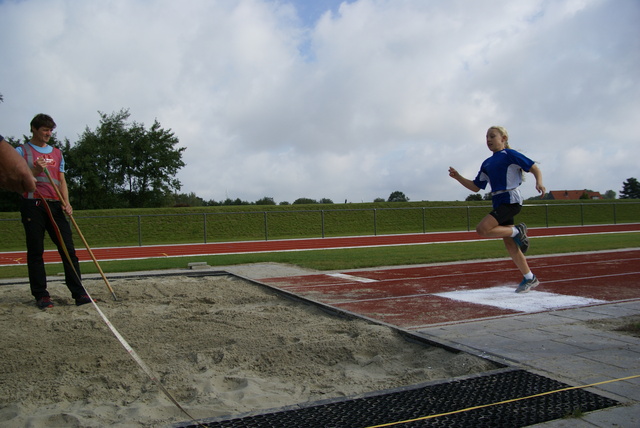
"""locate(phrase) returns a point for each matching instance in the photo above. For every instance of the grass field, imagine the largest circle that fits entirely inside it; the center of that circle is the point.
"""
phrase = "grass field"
(119, 228)
(354, 258)
(115, 228)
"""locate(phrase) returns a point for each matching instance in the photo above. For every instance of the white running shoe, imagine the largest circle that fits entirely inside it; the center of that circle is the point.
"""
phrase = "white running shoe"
(527, 284)
(521, 238)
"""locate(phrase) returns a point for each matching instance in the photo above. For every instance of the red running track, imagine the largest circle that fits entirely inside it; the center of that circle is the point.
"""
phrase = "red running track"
(159, 251)
(416, 297)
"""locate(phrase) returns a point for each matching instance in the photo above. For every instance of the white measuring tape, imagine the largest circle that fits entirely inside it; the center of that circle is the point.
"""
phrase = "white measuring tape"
(145, 368)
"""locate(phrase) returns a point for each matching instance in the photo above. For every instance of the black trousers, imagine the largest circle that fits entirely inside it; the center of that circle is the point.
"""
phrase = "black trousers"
(36, 221)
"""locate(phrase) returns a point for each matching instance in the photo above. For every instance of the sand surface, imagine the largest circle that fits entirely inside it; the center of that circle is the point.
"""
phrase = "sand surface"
(220, 345)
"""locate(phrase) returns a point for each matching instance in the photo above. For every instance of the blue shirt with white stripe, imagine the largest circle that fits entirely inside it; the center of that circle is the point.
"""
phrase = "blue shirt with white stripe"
(503, 171)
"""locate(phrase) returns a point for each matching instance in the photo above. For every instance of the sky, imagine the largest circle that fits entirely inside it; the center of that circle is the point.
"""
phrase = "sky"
(345, 100)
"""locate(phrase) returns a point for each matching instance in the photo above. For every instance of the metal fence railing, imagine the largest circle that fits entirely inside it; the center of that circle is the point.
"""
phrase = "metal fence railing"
(155, 229)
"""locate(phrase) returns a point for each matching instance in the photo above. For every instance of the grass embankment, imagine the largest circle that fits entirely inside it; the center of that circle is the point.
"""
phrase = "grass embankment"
(354, 258)
(119, 227)
(224, 224)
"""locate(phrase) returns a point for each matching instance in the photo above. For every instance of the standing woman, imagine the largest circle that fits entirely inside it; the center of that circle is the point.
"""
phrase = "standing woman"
(504, 171)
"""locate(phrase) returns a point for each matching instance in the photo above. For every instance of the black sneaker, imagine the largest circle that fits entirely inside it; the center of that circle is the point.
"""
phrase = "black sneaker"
(83, 300)
(44, 302)
(521, 238)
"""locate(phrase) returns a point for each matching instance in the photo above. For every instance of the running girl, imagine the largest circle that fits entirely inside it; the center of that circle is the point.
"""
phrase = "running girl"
(503, 171)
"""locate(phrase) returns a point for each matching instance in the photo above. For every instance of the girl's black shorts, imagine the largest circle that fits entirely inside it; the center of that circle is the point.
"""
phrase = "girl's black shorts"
(505, 214)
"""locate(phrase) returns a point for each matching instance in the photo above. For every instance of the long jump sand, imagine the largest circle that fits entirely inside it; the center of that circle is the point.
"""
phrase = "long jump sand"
(221, 346)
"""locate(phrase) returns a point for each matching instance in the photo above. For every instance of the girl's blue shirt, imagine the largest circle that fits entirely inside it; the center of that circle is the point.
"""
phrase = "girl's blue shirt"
(503, 171)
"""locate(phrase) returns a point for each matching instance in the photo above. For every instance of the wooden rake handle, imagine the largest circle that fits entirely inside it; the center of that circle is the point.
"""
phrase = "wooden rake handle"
(95, 261)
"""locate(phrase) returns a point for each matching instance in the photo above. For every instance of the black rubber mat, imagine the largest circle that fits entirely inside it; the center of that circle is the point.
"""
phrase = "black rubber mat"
(399, 407)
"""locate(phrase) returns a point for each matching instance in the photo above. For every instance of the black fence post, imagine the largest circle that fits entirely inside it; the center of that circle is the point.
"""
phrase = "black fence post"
(375, 222)
(266, 227)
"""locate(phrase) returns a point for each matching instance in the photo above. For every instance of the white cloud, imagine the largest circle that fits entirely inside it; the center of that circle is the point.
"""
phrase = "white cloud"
(344, 100)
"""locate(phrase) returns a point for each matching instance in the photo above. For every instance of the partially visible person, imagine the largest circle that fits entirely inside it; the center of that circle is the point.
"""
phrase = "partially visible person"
(14, 172)
(40, 155)
(503, 171)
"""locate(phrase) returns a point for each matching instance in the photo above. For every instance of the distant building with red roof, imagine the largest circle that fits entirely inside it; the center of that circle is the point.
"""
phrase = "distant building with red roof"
(571, 195)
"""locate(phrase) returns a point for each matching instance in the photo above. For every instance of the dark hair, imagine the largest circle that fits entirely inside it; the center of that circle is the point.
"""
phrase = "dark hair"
(42, 120)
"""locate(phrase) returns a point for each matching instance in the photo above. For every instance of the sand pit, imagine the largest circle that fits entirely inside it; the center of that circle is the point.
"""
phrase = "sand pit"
(219, 344)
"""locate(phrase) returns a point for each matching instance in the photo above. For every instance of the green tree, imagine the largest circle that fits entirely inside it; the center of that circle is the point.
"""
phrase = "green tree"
(267, 200)
(609, 194)
(301, 201)
(474, 197)
(122, 164)
(236, 201)
(397, 196)
(187, 200)
(630, 189)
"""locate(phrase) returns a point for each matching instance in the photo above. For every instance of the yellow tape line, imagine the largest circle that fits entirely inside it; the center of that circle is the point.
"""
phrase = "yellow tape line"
(501, 402)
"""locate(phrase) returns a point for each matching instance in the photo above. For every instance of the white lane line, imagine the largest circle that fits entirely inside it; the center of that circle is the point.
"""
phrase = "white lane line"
(351, 277)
